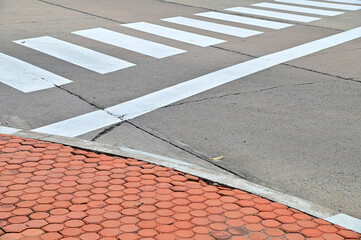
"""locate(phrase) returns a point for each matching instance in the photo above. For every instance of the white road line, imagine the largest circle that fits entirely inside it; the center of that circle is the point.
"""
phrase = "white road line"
(345, 1)
(178, 35)
(297, 9)
(244, 20)
(272, 14)
(322, 4)
(139, 106)
(134, 44)
(26, 77)
(79, 125)
(75, 54)
(347, 221)
(214, 27)
(8, 130)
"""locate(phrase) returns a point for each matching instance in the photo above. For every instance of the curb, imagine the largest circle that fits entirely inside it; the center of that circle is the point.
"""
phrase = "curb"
(230, 180)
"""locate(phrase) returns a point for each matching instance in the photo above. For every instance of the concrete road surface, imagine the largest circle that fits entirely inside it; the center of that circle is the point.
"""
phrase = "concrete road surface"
(272, 86)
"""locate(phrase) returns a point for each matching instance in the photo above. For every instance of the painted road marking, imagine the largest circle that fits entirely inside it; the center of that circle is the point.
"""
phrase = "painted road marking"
(8, 130)
(346, 220)
(321, 4)
(244, 20)
(134, 44)
(26, 77)
(272, 14)
(345, 1)
(178, 35)
(88, 122)
(79, 125)
(75, 54)
(214, 27)
(297, 9)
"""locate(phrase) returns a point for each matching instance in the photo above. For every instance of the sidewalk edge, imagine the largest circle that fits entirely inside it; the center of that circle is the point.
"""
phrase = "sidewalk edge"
(225, 179)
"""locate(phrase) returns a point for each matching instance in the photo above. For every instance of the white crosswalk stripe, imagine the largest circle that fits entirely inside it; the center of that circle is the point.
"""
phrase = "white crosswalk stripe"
(26, 77)
(134, 44)
(273, 14)
(322, 4)
(297, 9)
(133, 108)
(245, 20)
(78, 125)
(75, 54)
(345, 1)
(214, 27)
(8, 130)
(178, 35)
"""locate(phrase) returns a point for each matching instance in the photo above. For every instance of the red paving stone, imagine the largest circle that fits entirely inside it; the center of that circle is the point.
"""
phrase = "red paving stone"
(50, 191)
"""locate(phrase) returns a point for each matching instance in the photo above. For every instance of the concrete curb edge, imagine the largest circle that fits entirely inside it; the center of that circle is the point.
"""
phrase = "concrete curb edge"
(221, 178)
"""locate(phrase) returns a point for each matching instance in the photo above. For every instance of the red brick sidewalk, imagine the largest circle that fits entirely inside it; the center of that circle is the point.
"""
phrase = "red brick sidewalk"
(51, 191)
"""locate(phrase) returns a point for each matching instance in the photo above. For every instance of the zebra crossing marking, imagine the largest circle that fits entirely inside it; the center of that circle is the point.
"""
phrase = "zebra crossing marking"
(345, 1)
(245, 20)
(92, 121)
(273, 14)
(8, 130)
(174, 34)
(134, 44)
(26, 77)
(81, 124)
(214, 27)
(75, 54)
(297, 9)
(322, 4)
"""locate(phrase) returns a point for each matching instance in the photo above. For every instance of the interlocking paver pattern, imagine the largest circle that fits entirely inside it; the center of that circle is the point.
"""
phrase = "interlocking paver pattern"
(51, 191)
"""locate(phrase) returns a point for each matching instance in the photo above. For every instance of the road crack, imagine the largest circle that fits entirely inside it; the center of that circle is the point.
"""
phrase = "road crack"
(106, 130)
(243, 93)
(80, 97)
(80, 11)
(48, 21)
(90, 103)
(193, 152)
(294, 66)
(323, 73)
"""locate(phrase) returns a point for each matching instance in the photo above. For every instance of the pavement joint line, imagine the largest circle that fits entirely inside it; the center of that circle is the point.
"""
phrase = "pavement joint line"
(243, 93)
(79, 11)
(147, 103)
(229, 180)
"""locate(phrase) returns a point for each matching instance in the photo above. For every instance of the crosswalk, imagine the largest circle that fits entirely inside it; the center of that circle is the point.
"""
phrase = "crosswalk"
(273, 14)
(26, 77)
(75, 54)
(142, 46)
(245, 20)
(297, 9)
(213, 27)
(171, 33)
(95, 120)
(321, 4)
